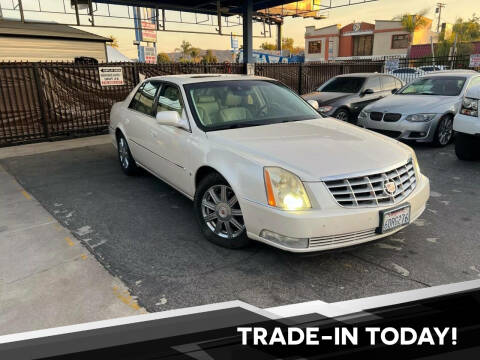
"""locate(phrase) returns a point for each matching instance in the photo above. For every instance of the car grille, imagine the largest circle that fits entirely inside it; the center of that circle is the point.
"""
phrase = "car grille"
(388, 117)
(391, 133)
(370, 190)
(376, 116)
(344, 239)
(391, 117)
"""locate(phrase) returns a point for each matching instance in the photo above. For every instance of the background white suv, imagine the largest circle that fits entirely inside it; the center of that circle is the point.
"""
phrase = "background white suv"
(467, 126)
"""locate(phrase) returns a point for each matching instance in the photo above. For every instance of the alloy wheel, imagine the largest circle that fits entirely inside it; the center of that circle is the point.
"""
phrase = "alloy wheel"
(445, 131)
(221, 212)
(342, 115)
(123, 152)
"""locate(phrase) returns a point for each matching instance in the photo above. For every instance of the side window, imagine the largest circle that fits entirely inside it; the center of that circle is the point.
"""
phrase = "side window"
(374, 84)
(474, 82)
(389, 83)
(145, 97)
(398, 84)
(170, 99)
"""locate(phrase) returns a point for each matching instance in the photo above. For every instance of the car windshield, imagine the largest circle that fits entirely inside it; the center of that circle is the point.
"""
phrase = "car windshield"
(439, 85)
(229, 104)
(342, 84)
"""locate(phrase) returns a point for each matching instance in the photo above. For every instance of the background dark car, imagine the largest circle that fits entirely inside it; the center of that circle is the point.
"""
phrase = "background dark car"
(344, 96)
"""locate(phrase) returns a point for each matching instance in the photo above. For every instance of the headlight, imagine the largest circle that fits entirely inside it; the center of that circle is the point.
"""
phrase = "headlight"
(363, 115)
(325, 109)
(415, 162)
(469, 107)
(285, 190)
(420, 117)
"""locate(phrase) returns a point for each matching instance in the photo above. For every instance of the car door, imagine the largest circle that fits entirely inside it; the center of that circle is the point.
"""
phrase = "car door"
(139, 118)
(170, 144)
(364, 99)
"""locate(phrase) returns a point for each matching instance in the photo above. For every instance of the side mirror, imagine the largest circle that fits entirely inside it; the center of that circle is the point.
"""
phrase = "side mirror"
(313, 103)
(169, 118)
(368, 92)
(394, 91)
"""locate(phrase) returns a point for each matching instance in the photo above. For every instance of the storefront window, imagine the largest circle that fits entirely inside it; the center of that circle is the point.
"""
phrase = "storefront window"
(399, 41)
(315, 47)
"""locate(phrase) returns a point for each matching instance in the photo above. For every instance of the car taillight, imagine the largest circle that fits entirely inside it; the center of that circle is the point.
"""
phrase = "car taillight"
(469, 107)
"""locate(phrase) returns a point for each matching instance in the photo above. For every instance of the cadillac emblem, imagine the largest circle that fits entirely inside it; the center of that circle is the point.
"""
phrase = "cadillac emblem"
(390, 187)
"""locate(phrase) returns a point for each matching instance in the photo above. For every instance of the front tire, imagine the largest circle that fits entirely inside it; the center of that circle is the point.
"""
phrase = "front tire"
(219, 214)
(127, 163)
(342, 114)
(467, 147)
(444, 132)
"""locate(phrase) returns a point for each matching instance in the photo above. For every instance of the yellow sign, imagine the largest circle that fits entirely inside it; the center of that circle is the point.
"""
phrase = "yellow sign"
(305, 8)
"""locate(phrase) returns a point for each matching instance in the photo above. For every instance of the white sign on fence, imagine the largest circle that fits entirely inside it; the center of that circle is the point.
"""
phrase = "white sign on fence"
(475, 60)
(111, 75)
(391, 64)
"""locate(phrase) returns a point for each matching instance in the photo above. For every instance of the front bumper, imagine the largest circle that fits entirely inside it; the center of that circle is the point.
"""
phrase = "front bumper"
(329, 227)
(403, 129)
(467, 124)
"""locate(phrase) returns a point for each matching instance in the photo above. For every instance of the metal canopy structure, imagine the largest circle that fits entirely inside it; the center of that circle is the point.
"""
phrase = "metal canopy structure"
(226, 13)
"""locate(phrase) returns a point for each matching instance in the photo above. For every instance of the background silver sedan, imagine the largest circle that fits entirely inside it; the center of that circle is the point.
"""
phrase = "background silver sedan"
(422, 110)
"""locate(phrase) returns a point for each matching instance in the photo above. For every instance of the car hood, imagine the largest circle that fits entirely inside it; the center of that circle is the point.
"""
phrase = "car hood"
(324, 98)
(413, 104)
(313, 149)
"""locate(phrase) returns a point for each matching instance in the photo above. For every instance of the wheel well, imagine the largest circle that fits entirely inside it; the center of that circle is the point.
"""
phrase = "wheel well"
(202, 172)
(118, 133)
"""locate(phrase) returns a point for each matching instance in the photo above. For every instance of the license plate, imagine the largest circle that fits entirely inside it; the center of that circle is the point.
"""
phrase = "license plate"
(394, 218)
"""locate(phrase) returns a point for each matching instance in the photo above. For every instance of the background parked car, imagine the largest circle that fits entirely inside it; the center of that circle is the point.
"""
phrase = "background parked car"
(407, 74)
(432, 68)
(344, 96)
(467, 126)
(423, 110)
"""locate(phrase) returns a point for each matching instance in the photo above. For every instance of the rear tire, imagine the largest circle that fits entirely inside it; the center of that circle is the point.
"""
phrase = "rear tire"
(218, 213)
(467, 147)
(127, 162)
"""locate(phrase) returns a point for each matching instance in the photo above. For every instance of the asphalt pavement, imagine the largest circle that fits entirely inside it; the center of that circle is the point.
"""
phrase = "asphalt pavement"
(144, 232)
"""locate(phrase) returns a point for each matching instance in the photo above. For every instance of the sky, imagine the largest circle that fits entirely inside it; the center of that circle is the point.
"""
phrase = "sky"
(293, 27)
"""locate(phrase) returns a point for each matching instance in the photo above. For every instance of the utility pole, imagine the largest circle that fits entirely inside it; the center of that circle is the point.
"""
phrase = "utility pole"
(438, 10)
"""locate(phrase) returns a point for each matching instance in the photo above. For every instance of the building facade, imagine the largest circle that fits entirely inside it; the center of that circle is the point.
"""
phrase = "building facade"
(361, 39)
(48, 42)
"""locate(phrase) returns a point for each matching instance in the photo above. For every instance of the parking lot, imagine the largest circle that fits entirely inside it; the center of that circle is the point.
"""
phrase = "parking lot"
(144, 232)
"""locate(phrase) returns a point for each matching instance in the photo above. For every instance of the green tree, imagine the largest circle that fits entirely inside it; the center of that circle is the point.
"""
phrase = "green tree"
(287, 44)
(209, 57)
(465, 31)
(268, 46)
(411, 23)
(194, 53)
(163, 58)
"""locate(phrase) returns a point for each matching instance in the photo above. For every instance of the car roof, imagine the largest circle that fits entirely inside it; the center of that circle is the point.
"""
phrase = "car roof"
(362, 74)
(199, 78)
(458, 72)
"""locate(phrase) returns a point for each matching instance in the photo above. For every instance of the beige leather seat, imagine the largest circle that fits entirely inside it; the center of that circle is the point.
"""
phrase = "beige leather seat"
(233, 110)
(208, 110)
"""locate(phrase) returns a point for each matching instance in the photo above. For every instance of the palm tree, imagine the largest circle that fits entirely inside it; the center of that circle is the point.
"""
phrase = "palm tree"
(185, 49)
(411, 23)
(114, 41)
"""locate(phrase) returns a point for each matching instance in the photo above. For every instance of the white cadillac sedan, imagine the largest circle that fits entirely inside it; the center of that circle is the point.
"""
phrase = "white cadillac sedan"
(261, 164)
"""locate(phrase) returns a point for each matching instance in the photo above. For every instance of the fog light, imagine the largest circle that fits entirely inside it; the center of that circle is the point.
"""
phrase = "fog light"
(296, 243)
